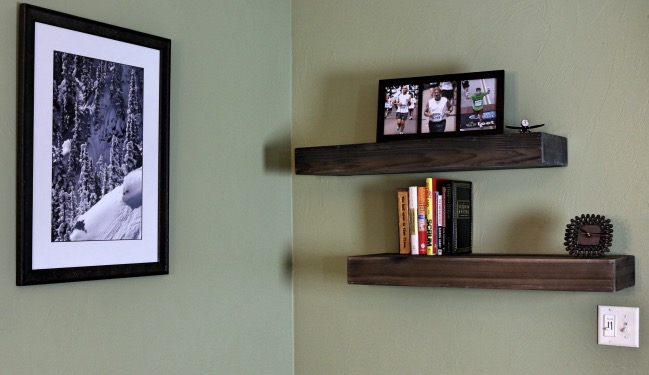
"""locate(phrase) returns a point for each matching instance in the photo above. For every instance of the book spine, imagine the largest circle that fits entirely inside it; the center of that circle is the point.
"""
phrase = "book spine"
(442, 214)
(439, 214)
(459, 216)
(421, 218)
(435, 185)
(404, 225)
(463, 217)
(450, 244)
(412, 218)
(431, 248)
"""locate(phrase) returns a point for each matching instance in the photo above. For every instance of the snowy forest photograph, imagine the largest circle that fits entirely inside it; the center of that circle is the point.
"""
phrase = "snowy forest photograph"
(97, 149)
(93, 150)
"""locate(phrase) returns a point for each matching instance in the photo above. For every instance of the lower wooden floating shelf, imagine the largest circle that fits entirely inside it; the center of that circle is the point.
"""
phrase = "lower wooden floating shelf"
(495, 271)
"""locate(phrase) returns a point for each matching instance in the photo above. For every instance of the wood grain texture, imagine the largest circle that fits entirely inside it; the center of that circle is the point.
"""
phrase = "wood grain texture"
(495, 271)
(489, 152)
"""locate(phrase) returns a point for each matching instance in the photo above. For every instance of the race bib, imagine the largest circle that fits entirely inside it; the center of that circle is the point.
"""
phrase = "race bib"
(437, 117)
(403, 107)
(478, 103)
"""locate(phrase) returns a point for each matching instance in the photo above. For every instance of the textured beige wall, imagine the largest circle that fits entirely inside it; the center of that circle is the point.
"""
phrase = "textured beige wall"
(226, 307)
(581, 68)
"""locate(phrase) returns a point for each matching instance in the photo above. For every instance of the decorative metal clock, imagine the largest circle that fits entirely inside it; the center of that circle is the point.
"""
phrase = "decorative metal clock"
(589, 236)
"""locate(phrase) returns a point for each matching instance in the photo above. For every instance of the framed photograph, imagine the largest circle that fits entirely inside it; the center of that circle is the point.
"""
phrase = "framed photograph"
(400, 113)
(93, 150)
(439, 106)
(448, 105)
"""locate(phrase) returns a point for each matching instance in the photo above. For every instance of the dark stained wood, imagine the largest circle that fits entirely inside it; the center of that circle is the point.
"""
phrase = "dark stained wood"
(501, 151)
(495, 271)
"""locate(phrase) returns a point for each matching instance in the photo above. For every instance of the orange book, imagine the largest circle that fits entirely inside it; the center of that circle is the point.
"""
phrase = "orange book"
(404, 224)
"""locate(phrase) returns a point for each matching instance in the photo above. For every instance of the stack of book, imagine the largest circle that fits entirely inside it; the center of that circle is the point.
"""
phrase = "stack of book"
(436, 218)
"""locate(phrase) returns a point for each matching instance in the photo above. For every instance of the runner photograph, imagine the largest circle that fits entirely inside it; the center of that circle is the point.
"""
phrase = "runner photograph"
(478, 105)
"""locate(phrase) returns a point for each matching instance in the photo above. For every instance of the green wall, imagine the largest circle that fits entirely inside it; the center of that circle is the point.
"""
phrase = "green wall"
(226, 307)
(581, 68)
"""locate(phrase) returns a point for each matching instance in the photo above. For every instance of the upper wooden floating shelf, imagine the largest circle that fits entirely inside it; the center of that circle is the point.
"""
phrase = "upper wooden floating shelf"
(495, 271)
(468, 153)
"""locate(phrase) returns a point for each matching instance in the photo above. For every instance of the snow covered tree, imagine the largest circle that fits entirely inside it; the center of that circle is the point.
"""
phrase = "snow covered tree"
(115, 172)
(67, 93)
(58, 71)
(58, 184)
(65, 211)
(132, 153)
(58, 168)
(87, 186)
(117, 99)
(63, 214)
(85, 80)
(74, 162)
(57, 79)
(60, 224)
(56, 220)
(56, 106)
(100, 86)
(101, 173)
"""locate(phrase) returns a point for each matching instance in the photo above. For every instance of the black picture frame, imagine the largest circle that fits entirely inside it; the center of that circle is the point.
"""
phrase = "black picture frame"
(458, 118)
(82, 212)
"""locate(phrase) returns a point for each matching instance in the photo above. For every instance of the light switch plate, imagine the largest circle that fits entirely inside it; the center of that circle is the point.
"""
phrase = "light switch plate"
(618, 326)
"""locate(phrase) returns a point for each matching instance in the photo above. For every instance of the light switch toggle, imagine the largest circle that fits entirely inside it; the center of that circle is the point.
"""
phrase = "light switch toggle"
(609, 325)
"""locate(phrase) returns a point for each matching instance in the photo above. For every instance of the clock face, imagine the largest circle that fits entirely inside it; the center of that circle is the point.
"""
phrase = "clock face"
(589, 236)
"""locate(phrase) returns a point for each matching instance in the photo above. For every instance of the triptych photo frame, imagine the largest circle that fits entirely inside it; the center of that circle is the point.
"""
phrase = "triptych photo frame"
(440, 106)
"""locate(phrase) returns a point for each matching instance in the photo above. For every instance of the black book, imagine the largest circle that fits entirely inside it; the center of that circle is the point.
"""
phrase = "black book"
(459, 217)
